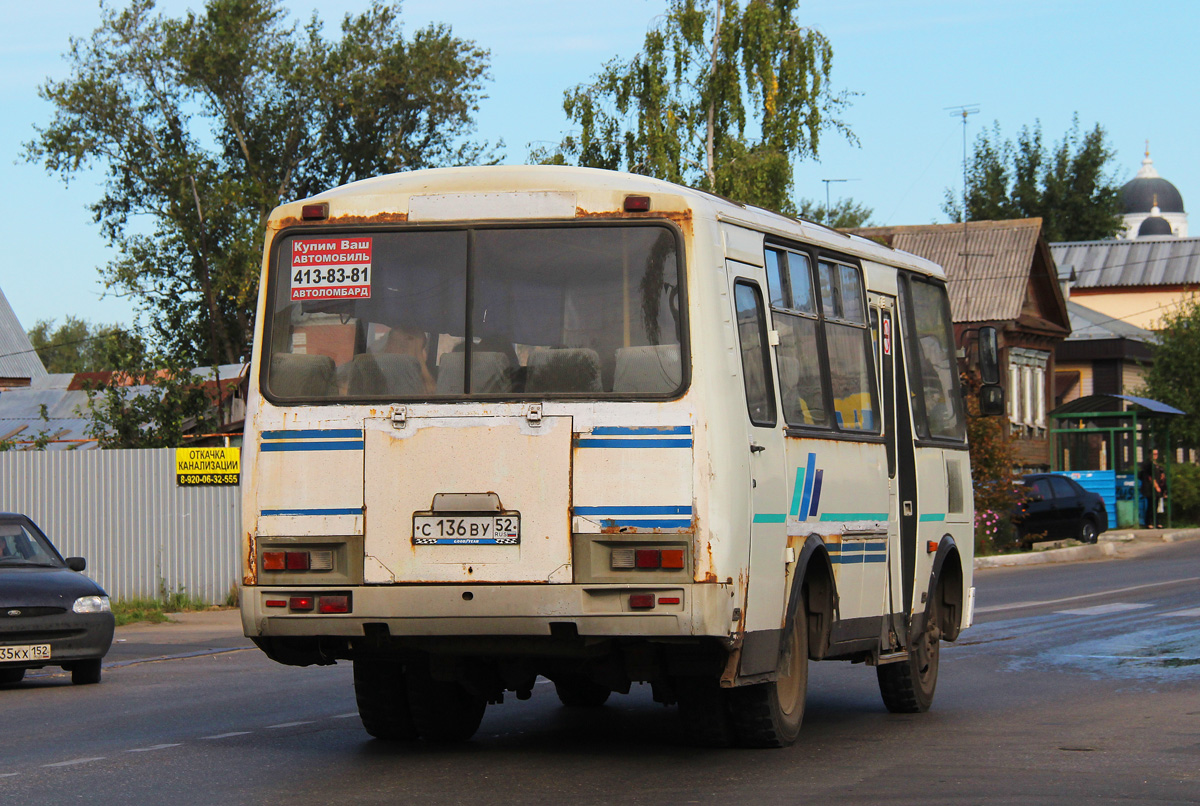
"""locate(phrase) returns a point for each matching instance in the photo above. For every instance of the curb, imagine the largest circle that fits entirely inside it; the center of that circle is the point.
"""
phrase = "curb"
(1095, 551)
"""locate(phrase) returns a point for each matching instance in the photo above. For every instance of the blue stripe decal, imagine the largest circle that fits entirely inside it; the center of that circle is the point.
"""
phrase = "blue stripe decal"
(634, 443)
(797, 492)
(874, 558)
(857, 559)
(684, 510)
(315, 433)
(816, 501)
(646, 430)
(770, 518)
(650, 524)
(333, 511)
(312, 446)
(808, 481)
(931, 517)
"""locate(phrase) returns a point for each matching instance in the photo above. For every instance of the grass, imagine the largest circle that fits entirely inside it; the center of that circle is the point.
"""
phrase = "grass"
(155, 610)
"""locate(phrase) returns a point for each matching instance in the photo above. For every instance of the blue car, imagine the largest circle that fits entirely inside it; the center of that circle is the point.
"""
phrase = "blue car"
(50, 614)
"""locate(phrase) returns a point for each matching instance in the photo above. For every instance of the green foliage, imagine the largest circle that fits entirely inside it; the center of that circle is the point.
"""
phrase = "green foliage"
(1185, 493)
(139, 608)
(842, 214)
(156, 406)
(992, 461)
(206, 122)
(77, 345)
(722, 98)
(1070, 186)
(1174, 377)
(31, 442)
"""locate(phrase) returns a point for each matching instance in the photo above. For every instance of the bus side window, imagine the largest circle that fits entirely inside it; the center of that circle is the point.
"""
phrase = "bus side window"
(756, 356)
(794, 314)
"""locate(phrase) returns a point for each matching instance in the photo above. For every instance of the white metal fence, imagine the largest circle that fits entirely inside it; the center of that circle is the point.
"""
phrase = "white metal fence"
(121, 509)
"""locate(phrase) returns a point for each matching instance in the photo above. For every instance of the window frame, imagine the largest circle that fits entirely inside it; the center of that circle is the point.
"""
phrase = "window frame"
(275, 276)
(912, 368)
(768, 369)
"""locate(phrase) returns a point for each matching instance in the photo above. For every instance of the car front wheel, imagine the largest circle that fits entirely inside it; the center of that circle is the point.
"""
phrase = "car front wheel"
(85, 672)
(9, 677)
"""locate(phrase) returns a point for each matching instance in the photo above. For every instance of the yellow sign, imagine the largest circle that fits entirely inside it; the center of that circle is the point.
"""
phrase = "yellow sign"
(208, 466)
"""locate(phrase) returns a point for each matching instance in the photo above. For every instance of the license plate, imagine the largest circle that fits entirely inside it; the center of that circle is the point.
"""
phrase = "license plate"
(467, 530)
(28, 652)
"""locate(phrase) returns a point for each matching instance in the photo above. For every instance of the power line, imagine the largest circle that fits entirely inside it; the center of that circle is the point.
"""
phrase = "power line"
(107, 335)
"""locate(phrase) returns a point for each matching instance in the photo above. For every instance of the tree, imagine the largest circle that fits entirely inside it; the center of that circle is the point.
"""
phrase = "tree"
(842, 214)
(1070, 187)
(205, 123)
(157, 406)
(77, 345)
(1174, 377)
(720, 98)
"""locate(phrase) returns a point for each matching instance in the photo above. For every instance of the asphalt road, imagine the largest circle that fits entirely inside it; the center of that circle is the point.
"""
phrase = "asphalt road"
(1078, 684)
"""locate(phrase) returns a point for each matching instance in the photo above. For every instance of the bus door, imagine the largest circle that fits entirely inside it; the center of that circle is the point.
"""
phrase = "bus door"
(899, 423)
(768, 493)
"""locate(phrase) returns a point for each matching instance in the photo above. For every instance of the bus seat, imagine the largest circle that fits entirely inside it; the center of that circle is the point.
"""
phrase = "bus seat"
(301, 375)
(385, 374)
(490, 372)
(795, 407)
(570, 369)
(654, 368)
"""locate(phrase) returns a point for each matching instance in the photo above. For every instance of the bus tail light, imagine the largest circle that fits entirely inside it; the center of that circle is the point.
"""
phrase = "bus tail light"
(672, 558)
(641, 601)
(273, 561)
(297, 560)
(333, 604)
(314, 212)
(276, 603)
(303, 603)
(637, 204)
(320, 561)
(622, 558)
(649, 558)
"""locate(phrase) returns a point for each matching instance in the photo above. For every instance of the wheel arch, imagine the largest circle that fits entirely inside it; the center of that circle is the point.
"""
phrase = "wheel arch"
(946, 581)
(813, 583)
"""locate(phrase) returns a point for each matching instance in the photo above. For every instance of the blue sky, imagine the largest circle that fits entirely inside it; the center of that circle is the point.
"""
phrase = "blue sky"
(1130, 67)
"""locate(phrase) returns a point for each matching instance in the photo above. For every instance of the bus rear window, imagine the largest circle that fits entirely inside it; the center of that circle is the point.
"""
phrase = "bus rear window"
(476, 313)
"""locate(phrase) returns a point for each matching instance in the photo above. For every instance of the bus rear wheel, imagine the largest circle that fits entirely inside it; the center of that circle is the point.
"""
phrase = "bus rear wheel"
(383, 700)
(770, 714)
(442, 710)
(907, 686)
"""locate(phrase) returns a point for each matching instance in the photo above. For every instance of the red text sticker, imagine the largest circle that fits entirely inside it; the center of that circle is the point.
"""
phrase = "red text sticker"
(331, 268)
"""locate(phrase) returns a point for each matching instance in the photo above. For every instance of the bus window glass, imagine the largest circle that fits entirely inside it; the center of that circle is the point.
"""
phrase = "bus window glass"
(830, 304)
(800, 388)
(591, 311)
(776, 268)
(851, 295)
(935, 362)
(756, 360)
(800, 275)
(850, 375)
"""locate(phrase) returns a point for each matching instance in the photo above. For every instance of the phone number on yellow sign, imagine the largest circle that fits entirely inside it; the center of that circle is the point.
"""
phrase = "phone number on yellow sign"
(207, 478)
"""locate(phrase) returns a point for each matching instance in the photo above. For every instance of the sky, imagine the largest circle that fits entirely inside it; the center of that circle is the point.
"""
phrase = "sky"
(1131, 68)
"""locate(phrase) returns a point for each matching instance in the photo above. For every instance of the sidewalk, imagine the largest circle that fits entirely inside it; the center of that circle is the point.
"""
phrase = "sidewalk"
(1109, 545)
(186, 634)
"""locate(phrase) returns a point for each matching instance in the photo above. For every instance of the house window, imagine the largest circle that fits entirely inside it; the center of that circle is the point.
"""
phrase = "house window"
(1027, 391)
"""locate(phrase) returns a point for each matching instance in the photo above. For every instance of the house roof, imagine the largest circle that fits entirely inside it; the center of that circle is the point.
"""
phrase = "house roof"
(17, 358)
(1129, 262)
(989, 264)
(1091, 325)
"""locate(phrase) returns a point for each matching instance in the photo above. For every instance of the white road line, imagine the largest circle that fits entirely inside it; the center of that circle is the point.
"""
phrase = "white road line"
(8, 774)
(1104, 610)
(74, 761)
(1065, 599)
(345, 716)
(288, 725)
(1193, 613)
(227, 735)
(154, 747)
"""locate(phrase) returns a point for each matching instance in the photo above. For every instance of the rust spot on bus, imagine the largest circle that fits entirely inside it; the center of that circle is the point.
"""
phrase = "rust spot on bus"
(377, 218)
(251, 575)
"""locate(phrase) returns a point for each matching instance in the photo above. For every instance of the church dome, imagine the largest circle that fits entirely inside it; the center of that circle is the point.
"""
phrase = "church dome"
(1154, 225)
(1148, 190)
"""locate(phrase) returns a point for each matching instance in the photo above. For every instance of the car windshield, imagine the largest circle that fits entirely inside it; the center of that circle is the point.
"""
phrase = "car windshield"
(582, 311)
(20, 545)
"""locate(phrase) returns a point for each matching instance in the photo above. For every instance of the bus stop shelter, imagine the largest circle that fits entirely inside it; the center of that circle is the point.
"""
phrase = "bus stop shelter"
(1114, 433)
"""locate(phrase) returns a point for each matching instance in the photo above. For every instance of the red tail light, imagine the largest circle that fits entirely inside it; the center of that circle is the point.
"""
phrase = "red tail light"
(297, 560)
(333, 604)
(637, 204)
(276, 603)
(648, 558)
(301, 603)
(641, 601)
(314, 212)
(273, 561)
(668, 600)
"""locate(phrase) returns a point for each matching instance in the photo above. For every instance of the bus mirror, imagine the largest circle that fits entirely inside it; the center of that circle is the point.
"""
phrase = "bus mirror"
(989, 357)
(991, 400)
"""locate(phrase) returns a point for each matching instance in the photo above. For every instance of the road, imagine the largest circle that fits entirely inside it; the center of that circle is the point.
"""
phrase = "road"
(1079, 684)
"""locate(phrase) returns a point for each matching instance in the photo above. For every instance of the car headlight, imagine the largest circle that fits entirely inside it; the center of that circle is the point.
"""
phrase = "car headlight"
(91, 604)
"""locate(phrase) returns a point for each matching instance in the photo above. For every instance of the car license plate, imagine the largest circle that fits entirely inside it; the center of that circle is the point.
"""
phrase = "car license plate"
(28, 652)
(466, 529)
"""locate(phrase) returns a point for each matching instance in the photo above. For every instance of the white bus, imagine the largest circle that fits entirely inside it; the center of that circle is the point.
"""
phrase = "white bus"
(520, 421)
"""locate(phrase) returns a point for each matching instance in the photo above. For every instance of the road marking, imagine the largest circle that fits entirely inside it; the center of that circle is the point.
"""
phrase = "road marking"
(8, 774)
(155, 747)
(345, 716)
(1193, 613)
(1020, 605)
(74, 761)
(1103, 610)
(227, 735)
(288, 725)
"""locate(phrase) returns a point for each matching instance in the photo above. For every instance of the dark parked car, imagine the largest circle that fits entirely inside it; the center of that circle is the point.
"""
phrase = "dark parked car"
(50, 614)
(1057, 507)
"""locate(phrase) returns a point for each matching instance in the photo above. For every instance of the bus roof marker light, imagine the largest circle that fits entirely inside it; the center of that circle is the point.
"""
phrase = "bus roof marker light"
(314, 212)
(637, 204)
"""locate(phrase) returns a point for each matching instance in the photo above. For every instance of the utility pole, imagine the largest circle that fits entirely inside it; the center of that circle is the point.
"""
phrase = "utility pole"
(828, 209)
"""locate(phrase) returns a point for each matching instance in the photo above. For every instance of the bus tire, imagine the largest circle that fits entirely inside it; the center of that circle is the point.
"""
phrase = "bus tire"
(908, 686)
(770, 714)
(442, 711)
(577, 691)
(382, 700)
(704, 711)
